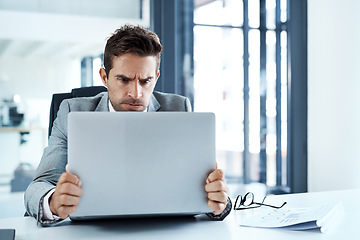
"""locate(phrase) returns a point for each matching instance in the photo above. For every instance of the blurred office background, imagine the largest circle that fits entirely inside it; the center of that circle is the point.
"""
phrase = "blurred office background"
(280, 75)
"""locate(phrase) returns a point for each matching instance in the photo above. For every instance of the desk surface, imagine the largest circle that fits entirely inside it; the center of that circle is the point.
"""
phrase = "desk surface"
(345, 227)
(21, 129)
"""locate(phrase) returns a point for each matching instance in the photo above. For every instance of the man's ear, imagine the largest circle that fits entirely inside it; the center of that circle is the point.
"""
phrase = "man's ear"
(103, 76)
(157, 76)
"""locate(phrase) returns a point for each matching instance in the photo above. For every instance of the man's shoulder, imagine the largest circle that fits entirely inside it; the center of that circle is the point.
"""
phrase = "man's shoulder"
(168, 96)
(87, 103)
(172, 102)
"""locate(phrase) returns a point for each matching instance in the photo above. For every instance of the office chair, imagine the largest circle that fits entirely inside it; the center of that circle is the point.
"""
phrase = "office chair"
(57, 98)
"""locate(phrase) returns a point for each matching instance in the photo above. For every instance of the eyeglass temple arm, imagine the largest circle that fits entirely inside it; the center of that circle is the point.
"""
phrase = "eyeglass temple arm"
(263, 204)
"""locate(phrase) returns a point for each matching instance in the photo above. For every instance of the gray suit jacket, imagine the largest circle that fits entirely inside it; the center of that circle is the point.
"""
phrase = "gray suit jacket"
(54, 158)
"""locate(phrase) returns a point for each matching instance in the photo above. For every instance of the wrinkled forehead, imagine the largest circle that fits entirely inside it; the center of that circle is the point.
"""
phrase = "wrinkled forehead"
(133, 66)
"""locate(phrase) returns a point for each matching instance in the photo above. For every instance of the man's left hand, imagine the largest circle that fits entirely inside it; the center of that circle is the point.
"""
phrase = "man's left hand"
(217, 190)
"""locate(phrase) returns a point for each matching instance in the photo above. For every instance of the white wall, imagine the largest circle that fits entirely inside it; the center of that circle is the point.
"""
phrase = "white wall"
(40, 53)
(333, 94)
(41, 47)
(35, 80)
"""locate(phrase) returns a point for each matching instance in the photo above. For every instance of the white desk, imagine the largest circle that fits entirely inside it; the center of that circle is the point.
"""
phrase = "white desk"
(346, 226)
(11, 204)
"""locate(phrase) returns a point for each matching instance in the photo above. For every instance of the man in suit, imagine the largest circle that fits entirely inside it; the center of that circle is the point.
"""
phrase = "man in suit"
(131, 69)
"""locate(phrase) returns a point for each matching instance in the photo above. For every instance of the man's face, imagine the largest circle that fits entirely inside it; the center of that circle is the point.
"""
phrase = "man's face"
(131, 82)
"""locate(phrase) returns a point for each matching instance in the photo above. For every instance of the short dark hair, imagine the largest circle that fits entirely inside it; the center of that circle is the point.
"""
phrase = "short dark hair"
(134, 40)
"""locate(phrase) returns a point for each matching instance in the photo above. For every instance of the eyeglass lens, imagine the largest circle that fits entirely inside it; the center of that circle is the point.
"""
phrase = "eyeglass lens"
(248, 199)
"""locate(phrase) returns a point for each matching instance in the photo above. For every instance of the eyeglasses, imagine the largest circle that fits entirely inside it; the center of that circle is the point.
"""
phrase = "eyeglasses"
(247, 202)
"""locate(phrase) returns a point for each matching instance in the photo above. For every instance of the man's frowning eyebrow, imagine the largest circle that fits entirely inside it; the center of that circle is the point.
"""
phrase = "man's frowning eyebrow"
(123, 77)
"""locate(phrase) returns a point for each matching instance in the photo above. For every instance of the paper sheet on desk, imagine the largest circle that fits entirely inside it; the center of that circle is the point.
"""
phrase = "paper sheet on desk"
(294, 218)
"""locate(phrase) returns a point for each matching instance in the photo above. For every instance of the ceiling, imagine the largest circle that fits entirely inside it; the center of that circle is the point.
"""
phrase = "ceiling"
(48, 49)
(66, 28)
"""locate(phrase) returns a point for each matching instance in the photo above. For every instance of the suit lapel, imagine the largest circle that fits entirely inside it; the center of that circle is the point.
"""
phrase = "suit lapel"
(103, 104)
(154, 105)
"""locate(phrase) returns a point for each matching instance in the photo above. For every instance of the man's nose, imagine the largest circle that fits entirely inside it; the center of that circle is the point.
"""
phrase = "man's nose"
(135, 90)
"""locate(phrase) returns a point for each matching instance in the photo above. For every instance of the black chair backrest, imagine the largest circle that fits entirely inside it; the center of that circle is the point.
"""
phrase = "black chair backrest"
(57, 98)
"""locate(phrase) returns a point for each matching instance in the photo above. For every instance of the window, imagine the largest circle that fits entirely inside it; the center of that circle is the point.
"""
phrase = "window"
(240, 74)
(131, 12)
(90, 71)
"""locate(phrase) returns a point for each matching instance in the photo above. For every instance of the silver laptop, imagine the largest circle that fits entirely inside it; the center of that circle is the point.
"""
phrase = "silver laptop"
(135, 164)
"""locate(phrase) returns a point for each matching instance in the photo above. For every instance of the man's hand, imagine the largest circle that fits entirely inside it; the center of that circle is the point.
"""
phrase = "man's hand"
(66, 197)
(217, 190)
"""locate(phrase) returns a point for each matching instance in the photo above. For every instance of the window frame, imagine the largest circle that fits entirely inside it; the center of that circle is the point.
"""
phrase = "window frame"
(167, 16)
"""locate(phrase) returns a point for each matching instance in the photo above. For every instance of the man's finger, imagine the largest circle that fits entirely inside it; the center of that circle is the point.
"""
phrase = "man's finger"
(68, 200)
(217, 174)
(218, 196)
(216, 186)
(68, 177)
(216, 207)
(64, 211)
(71, 189)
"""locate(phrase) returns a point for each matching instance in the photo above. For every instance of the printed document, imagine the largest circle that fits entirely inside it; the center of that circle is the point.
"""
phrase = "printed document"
(294, 218)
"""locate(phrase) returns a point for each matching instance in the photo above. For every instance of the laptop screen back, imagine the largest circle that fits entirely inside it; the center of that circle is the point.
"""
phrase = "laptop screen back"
(136, 163)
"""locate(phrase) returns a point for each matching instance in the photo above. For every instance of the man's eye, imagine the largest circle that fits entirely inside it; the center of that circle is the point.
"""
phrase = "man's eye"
(125, 80)
(144, 81)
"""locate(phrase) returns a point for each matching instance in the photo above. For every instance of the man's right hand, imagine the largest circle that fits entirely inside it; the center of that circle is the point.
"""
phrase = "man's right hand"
(66, 197)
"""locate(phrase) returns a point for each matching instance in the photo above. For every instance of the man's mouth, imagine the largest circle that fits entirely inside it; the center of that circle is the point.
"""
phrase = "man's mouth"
(132, 105)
